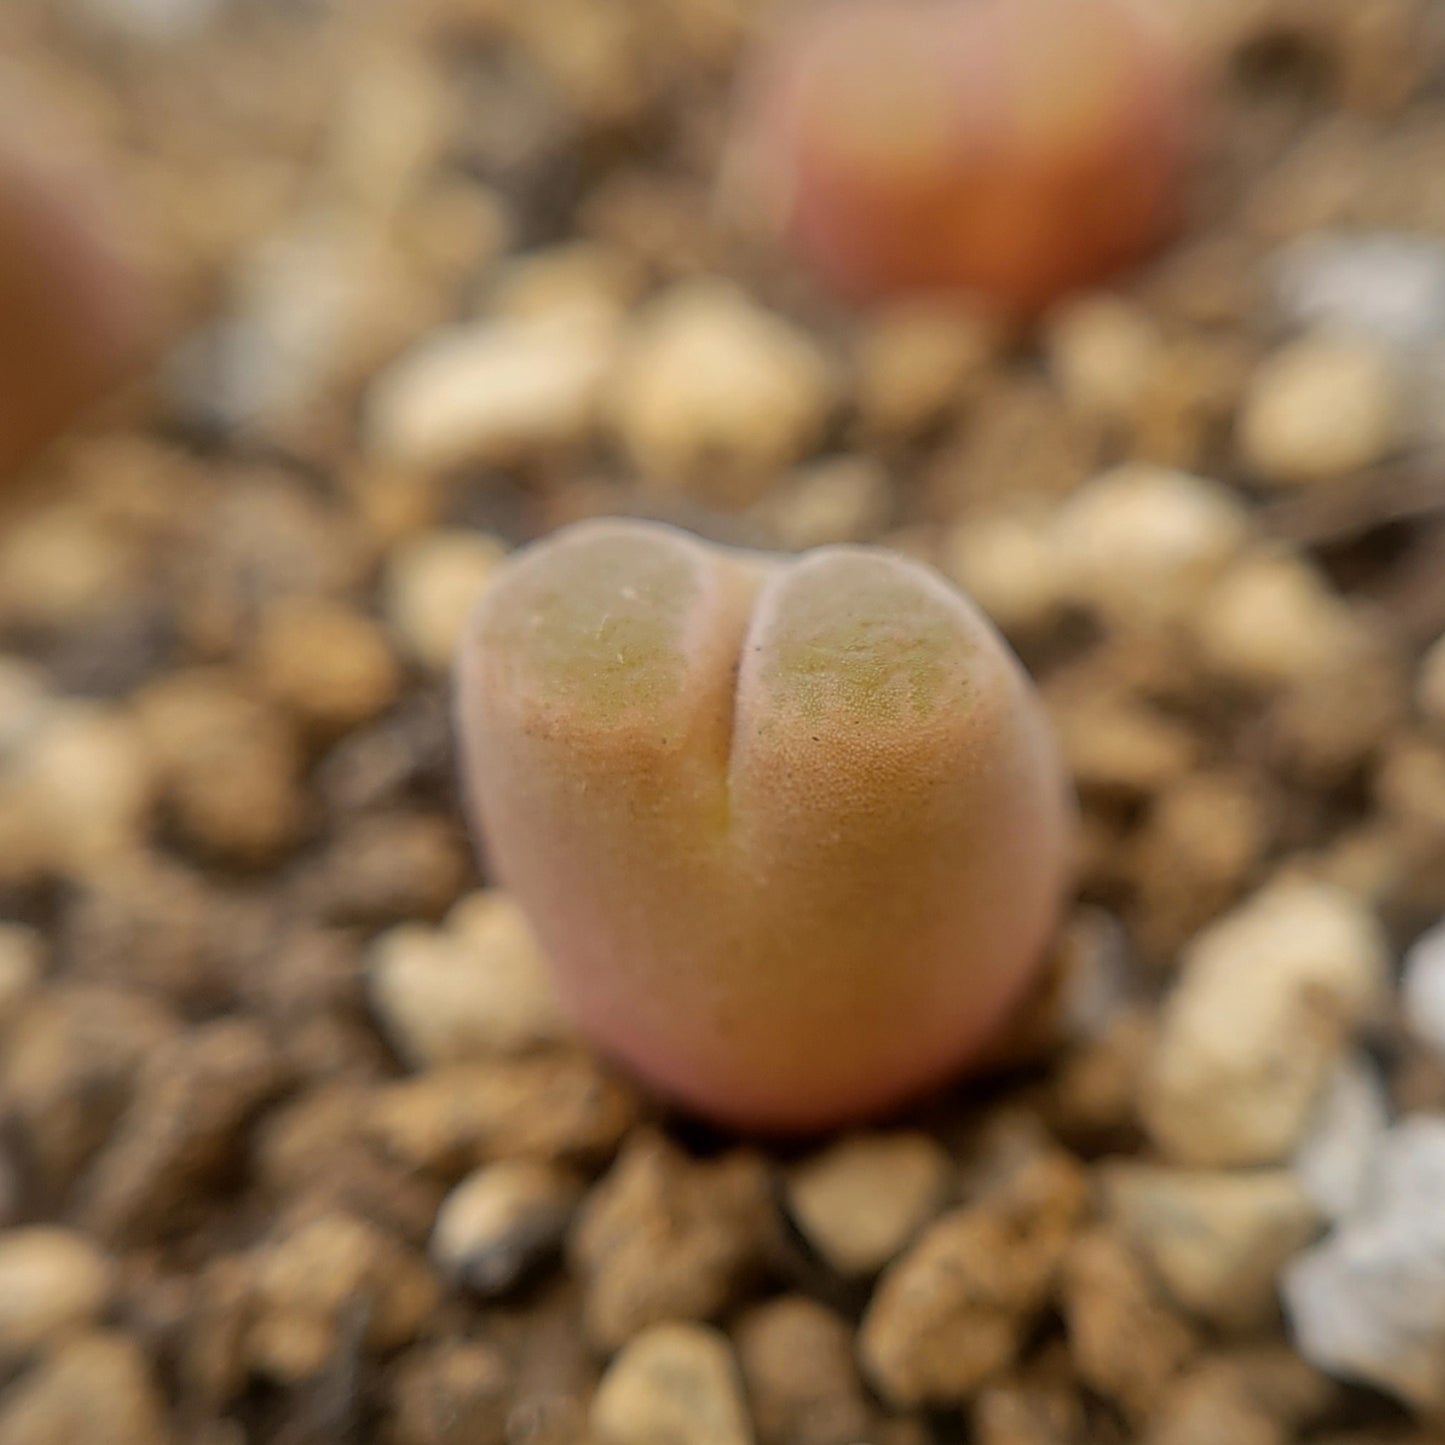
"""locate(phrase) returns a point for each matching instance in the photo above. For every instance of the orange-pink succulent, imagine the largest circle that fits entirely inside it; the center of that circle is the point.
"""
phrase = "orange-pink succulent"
(791, 831)
(1017, 149)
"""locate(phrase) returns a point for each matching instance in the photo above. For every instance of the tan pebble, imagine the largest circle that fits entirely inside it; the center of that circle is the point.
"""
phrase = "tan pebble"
(451, 1393)
(1216, 1239)
(916, 361)
(843, 499)
(1264, 1007)
(85, 784)
(475, 988)
(1201, 840)
(69, 1070)
(1272, 619)
(501, 1222)
(1140, 544)
(1127, 1342)
(802, 1384)
(664, 1237)
(452, 1120)
(673, 1382)
(1430, 685)
(330, 666)
(21, 958)
(1201, 1407)
(861, 1201)
(53, 1283)
(229, 763)
(1102, 351)
(1027, 1412)
(24, 701)
(955, 1309)
(1008, 562)
(1321, 407)
(716, 393)
(329, 1275)
(1118, 744)
(430, 588)
(577, 277)
(97, 1388)
(193, 1098)
(386, 866)
(62, 566)
(492, 392)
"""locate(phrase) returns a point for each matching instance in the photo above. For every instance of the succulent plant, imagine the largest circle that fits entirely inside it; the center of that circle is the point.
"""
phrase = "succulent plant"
(78, 315)
(1015, 148)
(791, 831)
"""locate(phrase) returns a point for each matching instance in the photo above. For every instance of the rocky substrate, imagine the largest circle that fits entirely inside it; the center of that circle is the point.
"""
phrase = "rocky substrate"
(295, 1146)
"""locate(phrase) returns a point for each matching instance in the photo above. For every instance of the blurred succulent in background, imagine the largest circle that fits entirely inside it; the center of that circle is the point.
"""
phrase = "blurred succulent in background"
(1019, 149)
(75, 312)
(792, 831)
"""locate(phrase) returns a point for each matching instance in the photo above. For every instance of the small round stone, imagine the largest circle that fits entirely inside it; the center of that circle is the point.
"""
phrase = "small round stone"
(329, 665)
(501, 1222)
(1321, 407)
(431, 585)
(717, 393)
(53, 1282)
(861, 1201)
(674, 1382)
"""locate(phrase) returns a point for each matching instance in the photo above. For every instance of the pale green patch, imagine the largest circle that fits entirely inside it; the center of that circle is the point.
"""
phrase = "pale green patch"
(598, 624)
(861, 640)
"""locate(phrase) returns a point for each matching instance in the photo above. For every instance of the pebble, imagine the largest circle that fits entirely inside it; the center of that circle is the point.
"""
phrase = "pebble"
(453, 1120)
(842, 499)
(1335, 1159)
(63, 568)
(802, 1384)
(492, 393)
(322, 1280)
(956, 1308)
(96, 1388)
(1216, 1239)
(1008, 562)
(431, 584)
(475, 988)
(454, 1393)
(21, 962)
(194, 1096)
(1320, 408)
(1368, 1303)
(84, 785)
(155, 21)
(1387, 286)
(1140, 545)
(229, 763)
(501, 1222)
(915, 361)
(1262, 1013)
(54, 1282)
(1422, 988)
(1102, 352)
(1126, 1342)
(1212, 1404)
(1027, 1412)
(666, 1237)
(1272, 620)
(389, 865)
(861, 1201)
(1429, 686)
(715, 391)
(674, 1382)
(69, 1071)
(327, 664)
